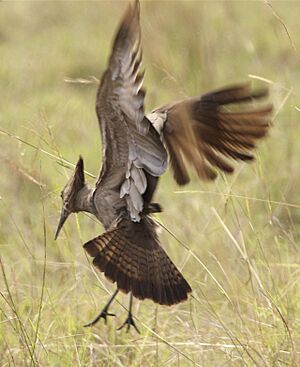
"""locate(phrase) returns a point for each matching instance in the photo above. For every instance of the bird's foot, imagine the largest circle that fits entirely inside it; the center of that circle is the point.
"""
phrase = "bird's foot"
(102, 315)
(129, 322)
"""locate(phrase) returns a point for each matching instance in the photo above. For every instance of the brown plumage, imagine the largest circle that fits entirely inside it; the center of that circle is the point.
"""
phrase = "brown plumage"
(201, 132)
(130, 254)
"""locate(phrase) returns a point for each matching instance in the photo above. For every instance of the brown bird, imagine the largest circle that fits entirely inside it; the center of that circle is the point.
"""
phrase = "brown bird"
(200, 132)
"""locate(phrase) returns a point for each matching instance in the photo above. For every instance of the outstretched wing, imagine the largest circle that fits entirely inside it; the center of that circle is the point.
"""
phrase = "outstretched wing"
(120, 98)
(204, 131)
(131, 147)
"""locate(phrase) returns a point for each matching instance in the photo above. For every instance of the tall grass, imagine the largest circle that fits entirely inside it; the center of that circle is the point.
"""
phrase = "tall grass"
(236, 240)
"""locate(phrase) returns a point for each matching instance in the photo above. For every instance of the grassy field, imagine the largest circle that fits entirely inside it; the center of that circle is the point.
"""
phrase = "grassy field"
(235, 240)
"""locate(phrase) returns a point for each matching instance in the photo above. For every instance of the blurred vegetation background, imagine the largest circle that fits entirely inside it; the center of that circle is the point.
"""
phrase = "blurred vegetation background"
(236, 240)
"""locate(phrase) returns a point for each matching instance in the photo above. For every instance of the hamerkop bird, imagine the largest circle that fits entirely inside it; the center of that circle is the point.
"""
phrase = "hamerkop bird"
(200, 132)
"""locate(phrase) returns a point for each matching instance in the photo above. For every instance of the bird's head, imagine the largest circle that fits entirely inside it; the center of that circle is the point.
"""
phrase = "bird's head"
(70, 193)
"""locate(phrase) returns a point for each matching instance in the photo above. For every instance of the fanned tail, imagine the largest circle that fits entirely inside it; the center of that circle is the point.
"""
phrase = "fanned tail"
(130, 255)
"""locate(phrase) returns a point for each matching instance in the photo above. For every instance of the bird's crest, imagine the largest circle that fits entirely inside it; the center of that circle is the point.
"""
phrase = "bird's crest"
(75, 183)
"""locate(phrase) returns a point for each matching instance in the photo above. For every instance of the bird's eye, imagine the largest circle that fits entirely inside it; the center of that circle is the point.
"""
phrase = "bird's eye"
(61, 194)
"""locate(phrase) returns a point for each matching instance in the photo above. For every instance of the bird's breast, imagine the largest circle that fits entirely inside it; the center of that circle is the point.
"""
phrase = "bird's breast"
(108, 206)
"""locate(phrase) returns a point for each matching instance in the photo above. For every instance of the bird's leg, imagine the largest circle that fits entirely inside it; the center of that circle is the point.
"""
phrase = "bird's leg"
(129, 321)
(103, 314)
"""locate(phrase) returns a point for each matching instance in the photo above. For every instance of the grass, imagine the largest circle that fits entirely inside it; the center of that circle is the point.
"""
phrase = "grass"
(236, 241)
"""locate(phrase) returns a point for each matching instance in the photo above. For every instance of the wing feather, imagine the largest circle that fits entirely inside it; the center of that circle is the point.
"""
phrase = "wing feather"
(130, 144)
(202, 131)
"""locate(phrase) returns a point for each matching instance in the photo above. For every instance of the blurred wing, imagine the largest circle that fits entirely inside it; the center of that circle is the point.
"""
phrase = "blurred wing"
(129, 145)
(204, 131)
(120, 99)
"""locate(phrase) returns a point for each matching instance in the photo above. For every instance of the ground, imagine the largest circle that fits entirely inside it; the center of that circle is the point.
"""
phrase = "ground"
(235, 240)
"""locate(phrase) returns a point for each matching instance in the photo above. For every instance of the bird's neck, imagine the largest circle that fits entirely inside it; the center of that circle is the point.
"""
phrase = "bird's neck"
(84, 200)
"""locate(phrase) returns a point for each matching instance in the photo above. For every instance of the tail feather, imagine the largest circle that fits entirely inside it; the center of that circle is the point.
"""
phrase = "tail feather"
(130, 255)
(203, 131)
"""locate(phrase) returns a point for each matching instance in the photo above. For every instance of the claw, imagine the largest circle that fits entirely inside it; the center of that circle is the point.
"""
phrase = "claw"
(103, 314)
(129, 322)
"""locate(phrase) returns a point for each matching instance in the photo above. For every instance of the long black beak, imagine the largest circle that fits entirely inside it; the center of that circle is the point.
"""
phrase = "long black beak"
(63, 217)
